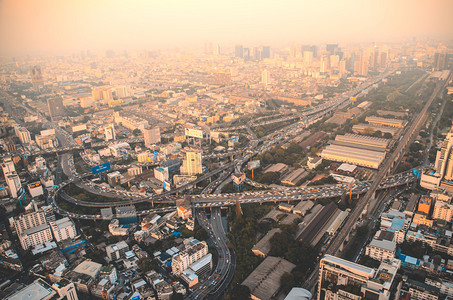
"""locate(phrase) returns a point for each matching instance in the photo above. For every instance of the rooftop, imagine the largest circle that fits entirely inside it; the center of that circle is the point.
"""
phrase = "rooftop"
(264, 281)
(38, 290)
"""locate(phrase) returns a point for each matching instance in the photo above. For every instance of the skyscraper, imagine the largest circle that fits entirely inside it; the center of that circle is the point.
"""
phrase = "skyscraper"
(11, 177)
(239, 51)
(56, 108)
(308, 58)
(440, 60)
(36, 77)
(192, 164)
(444, 156)
(266, 52)
(151, 135)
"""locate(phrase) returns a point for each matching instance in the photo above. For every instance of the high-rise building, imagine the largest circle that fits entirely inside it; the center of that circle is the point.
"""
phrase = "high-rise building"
(266, 52)
(63, 229)
(14, 185)
(239, 51)
(265, 77)
(192, 164)
(194, 251)
(56, 108)
(443, 155)
(334, 61)
(29, 220)
(332, 48)
(342, 279)
(440, 60)
(11, 178)
(324, 67)
(8, 165)
(308, 58)
(152, 136)
(109, 132)
(36, 77)
(24, 135)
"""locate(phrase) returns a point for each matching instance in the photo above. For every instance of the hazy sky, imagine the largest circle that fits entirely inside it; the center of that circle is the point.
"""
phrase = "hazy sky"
(62, 25)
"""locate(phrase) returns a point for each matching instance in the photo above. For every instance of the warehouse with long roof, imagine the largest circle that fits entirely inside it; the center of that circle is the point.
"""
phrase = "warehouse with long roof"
(357, 150)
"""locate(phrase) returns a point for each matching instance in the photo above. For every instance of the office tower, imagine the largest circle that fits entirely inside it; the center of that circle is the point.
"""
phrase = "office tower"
(11, 178)
(324, 67)
(56, 108)
(152, 136)
(364, 67)
(443, 156)
(265, 77)
(440, 60)
(8, 166)
(266, 52)
(308, 58)
(239, 51)
(216, 49)
(192, 164)
(256, 54)
(334, 61)
(314, 49)
(332, 48)
(342, 67)
(36, 77)
(109, 132)
(246, 54)
(23, 134)
(342, 279)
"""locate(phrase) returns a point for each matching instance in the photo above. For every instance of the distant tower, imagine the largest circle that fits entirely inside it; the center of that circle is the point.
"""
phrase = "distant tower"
(36, 77)
(239, 51)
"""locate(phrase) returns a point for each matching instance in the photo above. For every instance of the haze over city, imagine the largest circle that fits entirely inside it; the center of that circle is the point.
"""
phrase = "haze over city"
(54, 26)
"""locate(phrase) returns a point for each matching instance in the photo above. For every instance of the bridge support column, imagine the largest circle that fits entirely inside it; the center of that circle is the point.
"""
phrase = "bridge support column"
(347, 238)
(341, 247)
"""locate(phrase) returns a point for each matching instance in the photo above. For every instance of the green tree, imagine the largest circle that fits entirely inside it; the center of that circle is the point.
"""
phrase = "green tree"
(136, 132)
(240, 292)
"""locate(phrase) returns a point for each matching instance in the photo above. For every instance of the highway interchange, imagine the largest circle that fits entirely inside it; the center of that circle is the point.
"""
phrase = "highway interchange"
(216, 283)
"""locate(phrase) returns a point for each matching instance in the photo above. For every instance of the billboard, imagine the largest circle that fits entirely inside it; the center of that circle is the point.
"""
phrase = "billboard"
(101, 168)
(238, 178)
(196, 133)
(166, 185)
(254, 164)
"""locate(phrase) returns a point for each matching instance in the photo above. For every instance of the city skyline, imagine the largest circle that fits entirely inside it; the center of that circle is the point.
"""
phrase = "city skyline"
(50, 26)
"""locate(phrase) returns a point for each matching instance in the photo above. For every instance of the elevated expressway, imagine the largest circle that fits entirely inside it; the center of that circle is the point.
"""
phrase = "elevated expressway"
(336, 245)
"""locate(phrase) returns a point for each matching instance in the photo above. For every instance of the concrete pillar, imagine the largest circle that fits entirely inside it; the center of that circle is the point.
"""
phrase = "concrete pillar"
(341, 247)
